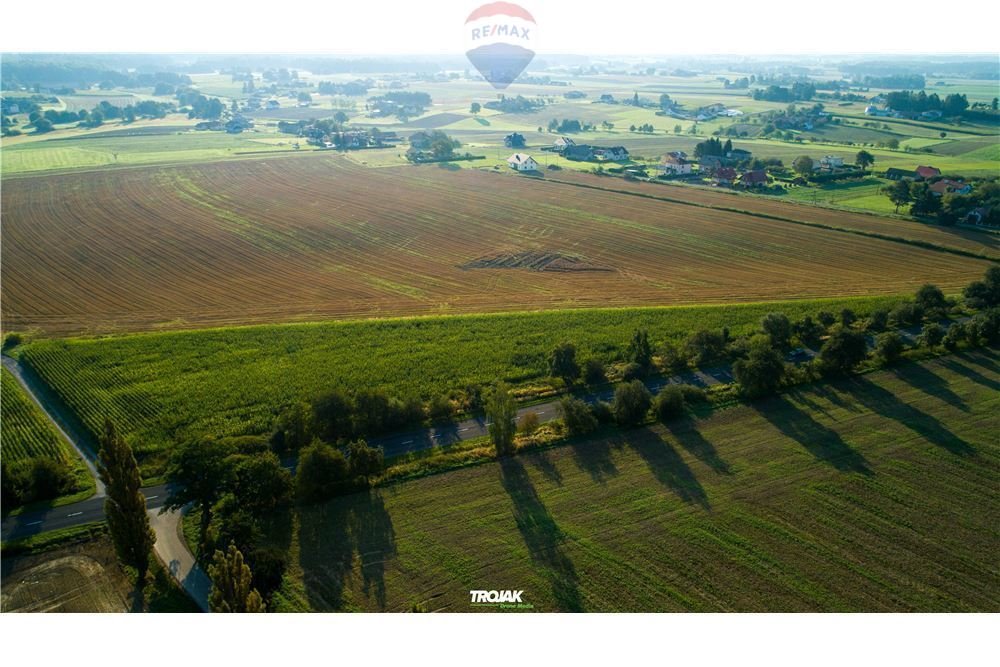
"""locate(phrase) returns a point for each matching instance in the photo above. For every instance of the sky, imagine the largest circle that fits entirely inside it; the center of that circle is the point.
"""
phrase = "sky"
(585, 27)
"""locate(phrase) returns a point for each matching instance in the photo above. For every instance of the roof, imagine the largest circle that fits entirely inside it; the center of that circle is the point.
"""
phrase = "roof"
(520, 158)
(755, 176)
(894, 171)
(673, 159)
(725, 172)
(927, 172)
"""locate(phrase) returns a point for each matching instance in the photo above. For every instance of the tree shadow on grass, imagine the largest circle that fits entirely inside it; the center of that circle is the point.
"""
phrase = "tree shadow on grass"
(822, 442)
(541, 534)
(982, 357)
(975, 376)
(931, 384)
(331, 533)
(544, 464)
(667, 466)
(593, 455)
(685, 430)
(885, 403)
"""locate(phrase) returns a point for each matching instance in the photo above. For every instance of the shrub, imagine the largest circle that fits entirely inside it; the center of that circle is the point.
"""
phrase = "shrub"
(632, 402)
(704, 346)
(594, 372)
(602, 412)
(931, 299)
(956, 334)
(931, 336)
(808, 330)
(321, 472)
(576, 416)
(906, 314)
(778, 327)
(439, 409)
(762, 371)
(365, 461)
(844, 350)
(669, 403)
(633, 371)
(877, 321)
(847, 317)
(825, 318)
(672, 358)
(889, 348)
(693, 394)
(528, 423)
(29, 480)
(12, 340)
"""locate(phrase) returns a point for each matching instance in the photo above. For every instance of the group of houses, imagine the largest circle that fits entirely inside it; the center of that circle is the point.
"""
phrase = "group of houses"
(565, 147)
(921, 173)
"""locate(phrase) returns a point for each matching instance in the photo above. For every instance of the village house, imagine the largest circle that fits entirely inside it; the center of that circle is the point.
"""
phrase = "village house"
(927, 172)
(580, 153)
(612, 154)
(676, 166)
(522, 162)
(894, 174)
(948, 186)
(724, 176)
(752, 179)
(738, 155)
(829, 162)
(710, 163)
(978, 216)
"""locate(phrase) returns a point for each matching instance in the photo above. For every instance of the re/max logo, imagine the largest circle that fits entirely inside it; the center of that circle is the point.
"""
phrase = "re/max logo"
(500, 30)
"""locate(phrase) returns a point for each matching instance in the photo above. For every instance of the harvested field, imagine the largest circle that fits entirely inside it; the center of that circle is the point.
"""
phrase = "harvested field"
(874, 494)
(534, 261)
(965, 240)
(317, 237)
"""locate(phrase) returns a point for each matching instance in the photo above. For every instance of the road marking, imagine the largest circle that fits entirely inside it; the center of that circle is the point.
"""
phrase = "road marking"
(75, 514)
(407, 442)
(151, 497)
(463, 429)
(32, 523)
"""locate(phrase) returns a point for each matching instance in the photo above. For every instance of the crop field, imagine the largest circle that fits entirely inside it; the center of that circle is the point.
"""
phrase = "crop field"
(964, 240)
(164, 387)
(311, 237)
(875, 494)
(24, 430)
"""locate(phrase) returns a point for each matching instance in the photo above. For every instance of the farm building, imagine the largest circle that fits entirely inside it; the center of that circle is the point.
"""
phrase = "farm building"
(928, 172)
(614, 153)
(948, 186)
(562, 143)
(751, 179)
(894, 174)
(671, 164)
(522, 162)
(829, 162)
(739, 154)
(724, 176)
(581, 153)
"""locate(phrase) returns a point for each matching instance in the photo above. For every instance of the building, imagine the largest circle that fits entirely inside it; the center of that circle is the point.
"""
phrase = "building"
(676, 166)
(894, 174)
(711, 162)
(948, 186)
(829, 162)
(738, 155)
(515, 140)
(522, 162)
(751, 179)
(927, 172)
(562, 143)
(724, 176)
(933, 114)
(579, 153)
(613, 154)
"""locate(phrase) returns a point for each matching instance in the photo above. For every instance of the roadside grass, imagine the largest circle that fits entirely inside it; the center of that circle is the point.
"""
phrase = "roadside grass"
(161, 388)
(873, 493)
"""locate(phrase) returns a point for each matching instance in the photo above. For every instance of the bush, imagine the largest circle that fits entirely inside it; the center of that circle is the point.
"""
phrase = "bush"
(889, 348)
(906, 314)
(528, 423)
(602, 412)
(594, 372)
(704, 346)
(762, 371)
(12, 340)
(778, 327)
(826, 319)
(365, 461)
(30, 480)
(672, 358)
(808, 330)
(669, 403)
(931, 299)
(321, 472)
(844, 350)
(877, 321)
(956, 334)
(633, 371)
(576, 416)
(439, 409)
(267, 565)
(931, 336)
(693, 394)
(632, 403)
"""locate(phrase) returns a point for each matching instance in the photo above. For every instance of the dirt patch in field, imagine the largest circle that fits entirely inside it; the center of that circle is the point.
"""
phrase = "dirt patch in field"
(79, 578)
(535, 261)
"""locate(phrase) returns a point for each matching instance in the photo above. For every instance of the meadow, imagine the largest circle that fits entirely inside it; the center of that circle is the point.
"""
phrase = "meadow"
(161, 388)
(312, 237)
(872, 494)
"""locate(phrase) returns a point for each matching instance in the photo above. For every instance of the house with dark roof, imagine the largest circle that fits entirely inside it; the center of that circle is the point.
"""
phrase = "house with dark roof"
(928, 172)
(724, 176)
(579, 153)
(613, 153)
(894, 174)
(751, 179)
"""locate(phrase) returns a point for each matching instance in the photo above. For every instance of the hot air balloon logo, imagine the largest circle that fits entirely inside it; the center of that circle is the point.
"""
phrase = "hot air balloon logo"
(500, 36)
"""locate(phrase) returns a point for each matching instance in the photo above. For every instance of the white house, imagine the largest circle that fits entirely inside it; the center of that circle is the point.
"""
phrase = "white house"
(829, 162)
(563, 142)
(522, 162)
(672, 164)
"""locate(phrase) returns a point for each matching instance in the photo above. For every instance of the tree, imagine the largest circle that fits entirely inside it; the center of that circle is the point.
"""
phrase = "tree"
(594, 371)
(501, 411)
(125, 506)
(43, 125)
(562, 363)
(639, 350)
(669, 403)
(475, 108)
(259, 482)
(925, 202)
(931, 299)
(888, 347)
(878, 320)
(672, 357)
(576, 416)
(899, 194)
(198, 473)
(778, 327)
(803, 165)
(321, 469)
(232, 585)
(931, 336)
(294, 428)
(842, 351)
(984, 293)
(762, 370)
(365, 461)
(632, 402)
(864, 159)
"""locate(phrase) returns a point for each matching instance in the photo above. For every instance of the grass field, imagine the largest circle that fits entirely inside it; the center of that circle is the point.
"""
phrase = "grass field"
(164, 387)
(875, 494)
(312, 237)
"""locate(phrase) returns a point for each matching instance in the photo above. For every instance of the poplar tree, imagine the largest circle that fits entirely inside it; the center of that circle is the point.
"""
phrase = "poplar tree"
(232, 584)
(125, 506)
(501, 410)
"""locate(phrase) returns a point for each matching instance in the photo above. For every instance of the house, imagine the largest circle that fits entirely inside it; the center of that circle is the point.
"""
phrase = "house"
(948, 186)
(978, 216)
(676, 166)
(562, 143)
(930, 115)
(894, 174)
(829, 162)
(613, 154)
(678, 154)
(927, 172)
(751, 179)
(724, 176)
(515, 140)
(581, 153)
(711, 162)
(273, 104)
(738, 154)
(522, 162)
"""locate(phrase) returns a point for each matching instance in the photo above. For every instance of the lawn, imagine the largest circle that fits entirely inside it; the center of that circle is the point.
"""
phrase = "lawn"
(878, 493)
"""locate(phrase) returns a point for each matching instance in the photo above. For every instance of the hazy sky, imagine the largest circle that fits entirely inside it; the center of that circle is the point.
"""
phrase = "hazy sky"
(564, 26)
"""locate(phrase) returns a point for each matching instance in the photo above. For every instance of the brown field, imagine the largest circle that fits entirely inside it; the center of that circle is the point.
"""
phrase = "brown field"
(316, 237)
(962, 239)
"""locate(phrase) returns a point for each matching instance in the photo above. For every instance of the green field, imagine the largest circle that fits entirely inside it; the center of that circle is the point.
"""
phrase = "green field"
(877, 494)
(163, 387)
